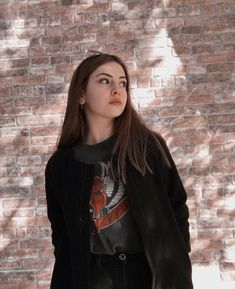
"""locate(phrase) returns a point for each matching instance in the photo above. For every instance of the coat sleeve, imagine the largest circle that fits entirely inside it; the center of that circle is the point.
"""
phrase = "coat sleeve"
(54, 211)
(177, 194)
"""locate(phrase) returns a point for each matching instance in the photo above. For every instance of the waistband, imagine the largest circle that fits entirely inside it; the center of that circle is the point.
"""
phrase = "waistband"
(120, 256)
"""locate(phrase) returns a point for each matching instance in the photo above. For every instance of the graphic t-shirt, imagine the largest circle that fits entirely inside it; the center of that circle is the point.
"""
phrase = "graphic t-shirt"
(113, 228)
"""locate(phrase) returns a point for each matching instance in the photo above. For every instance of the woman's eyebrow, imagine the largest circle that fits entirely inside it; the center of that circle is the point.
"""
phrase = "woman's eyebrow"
(106, 74)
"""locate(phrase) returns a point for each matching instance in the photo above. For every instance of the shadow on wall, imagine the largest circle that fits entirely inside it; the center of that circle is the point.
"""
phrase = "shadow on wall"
(25, 249)
(177, 91)
(200, 123)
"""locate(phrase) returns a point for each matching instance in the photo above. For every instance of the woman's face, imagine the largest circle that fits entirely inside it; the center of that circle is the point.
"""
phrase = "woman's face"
(105, 96)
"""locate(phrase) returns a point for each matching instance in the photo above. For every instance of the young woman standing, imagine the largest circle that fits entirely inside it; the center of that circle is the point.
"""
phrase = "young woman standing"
(115, 201)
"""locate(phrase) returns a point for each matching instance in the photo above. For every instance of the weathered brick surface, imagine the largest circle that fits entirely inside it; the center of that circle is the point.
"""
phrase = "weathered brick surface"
(181, 59)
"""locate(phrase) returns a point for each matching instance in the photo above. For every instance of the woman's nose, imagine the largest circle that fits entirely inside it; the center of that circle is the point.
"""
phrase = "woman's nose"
(115, 89)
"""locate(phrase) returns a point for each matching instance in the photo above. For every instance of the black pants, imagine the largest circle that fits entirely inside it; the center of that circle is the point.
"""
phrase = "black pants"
(120, 271)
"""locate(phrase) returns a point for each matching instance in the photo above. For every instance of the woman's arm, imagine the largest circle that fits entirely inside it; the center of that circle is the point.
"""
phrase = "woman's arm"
(177, 195)
(54, 211)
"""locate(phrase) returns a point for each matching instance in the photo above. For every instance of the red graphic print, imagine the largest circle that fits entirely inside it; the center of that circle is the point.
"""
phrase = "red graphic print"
(103, 215)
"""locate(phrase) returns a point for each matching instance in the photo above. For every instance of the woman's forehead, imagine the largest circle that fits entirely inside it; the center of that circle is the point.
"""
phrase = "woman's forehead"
(112, 68)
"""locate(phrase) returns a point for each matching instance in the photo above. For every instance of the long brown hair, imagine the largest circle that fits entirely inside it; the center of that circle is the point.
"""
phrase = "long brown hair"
(131, 132)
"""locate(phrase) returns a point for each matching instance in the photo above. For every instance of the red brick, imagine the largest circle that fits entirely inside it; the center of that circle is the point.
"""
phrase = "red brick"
(226, 212)
(44, 131)
(6, 82)
(38, 120)
(203, 256)
(53, 31)
(192, 29)
(211, 192)
(215, 223)
(193, 21)
(126, 25)
(49, 109)
(220, 119)
(15, 203)
(212, 58)
(19, 213)
(188, 10)
(40, 61)
(31, 170)
(210, 78)
(4, 64)
(194, 99)
(30, 33)
(9, 284)
(220, 67)
(227, 266)
(27, 284)
(32, 232)
(67, 2)
(229, 36)
(44, 140)
(92, 8)
(36, 263)
(79, 38)
(15, 91)
(29, 101)
(189, 122)
(18, 275)
(8, 233)
(31, 13)
(4, 6)
(13, 72)
(115, 36)
(35, 243)
(200, 171)
(7, 122)
(17, 181)
(143, 83)
(51, 40)
(60, 59)
(201, 1)
(31, 79)
(215, 234)
(5, 92)
(203, 244)
(37, 51)
(65, 68)
(14, 52)
(40, 149)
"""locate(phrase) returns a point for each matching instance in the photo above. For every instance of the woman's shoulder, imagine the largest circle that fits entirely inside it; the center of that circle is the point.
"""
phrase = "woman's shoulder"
(158, 149)
(59, 157)
(156, 142)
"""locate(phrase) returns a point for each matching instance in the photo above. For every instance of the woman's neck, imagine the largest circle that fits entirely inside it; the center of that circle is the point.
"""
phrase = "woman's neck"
(97, 134)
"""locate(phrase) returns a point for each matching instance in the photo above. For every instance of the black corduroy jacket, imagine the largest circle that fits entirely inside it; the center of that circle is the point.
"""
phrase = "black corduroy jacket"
(158, 203)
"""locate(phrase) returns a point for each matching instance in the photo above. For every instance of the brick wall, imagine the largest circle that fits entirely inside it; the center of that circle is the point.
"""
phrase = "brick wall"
(181, 59)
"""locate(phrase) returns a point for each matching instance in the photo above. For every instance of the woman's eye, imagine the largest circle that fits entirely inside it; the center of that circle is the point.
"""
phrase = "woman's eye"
(123, 84)
(104, 81)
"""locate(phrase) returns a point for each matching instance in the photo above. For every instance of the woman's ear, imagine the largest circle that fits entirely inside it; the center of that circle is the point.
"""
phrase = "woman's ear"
(82, 99)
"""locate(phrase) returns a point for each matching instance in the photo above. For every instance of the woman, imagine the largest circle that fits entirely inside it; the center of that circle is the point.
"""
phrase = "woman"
(115, 201)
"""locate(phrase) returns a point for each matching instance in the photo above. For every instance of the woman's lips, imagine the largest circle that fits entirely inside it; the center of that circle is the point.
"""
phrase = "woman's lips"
(116, 102)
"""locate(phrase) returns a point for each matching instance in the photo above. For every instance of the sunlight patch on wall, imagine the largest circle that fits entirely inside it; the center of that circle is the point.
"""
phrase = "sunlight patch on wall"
(209, 277)
(164, 64)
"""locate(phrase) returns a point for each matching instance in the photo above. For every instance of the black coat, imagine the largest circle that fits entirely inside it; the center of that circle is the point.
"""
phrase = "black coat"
(158, 202)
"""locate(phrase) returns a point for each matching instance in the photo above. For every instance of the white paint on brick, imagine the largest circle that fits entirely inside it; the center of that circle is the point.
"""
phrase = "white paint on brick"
(16, 181)
(209, 277)
(13, 43)
(229, 254)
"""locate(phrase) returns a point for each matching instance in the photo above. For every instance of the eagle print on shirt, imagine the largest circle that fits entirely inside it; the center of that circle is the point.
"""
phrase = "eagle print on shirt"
(108, 202)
